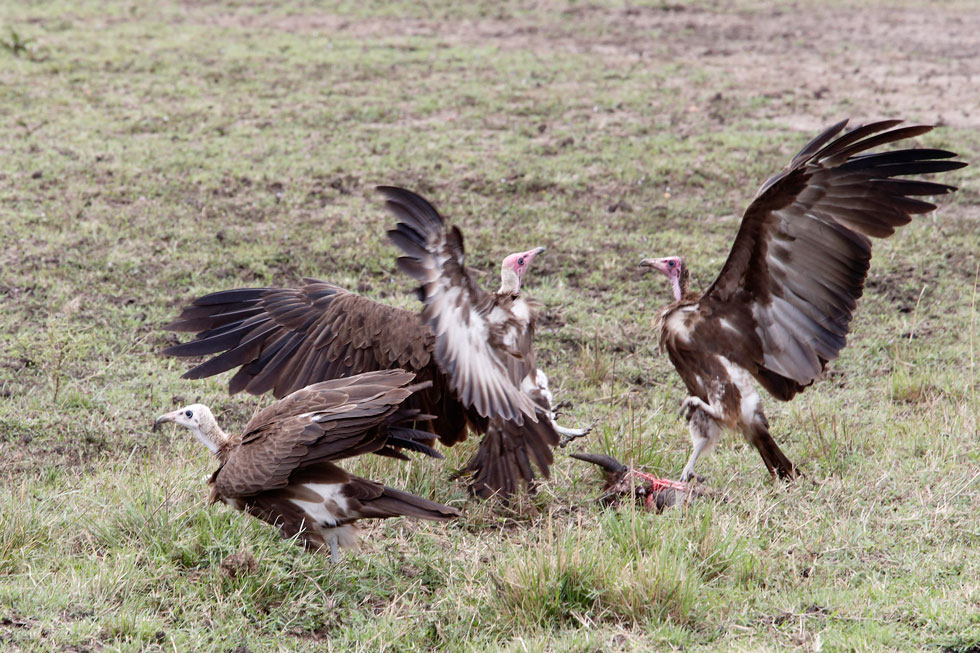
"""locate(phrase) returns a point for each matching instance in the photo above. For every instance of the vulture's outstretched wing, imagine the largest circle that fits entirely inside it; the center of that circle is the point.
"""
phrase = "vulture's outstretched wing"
(285, 339)
(475, 343)
(324, 422)
(802, 252)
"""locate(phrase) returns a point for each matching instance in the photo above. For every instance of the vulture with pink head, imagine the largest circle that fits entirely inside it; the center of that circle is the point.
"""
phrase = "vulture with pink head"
(474, 346)
(782, 304)
(281, 469)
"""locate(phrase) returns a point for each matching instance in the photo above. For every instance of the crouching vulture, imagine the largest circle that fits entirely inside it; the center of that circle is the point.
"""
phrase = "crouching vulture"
(281, 469)
(475, 347)
(782, 304)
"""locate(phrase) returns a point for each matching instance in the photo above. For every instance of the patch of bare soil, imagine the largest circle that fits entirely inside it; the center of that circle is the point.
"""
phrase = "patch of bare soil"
(810, 64)
(816, 63)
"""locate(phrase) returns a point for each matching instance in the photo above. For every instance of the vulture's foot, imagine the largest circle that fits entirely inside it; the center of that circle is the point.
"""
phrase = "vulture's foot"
(688, 406)
(557, 410)
(689, 475)
(692, 404)
(574, 434)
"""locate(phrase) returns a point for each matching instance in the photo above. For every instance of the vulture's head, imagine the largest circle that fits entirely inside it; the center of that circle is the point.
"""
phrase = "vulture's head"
(671, 267)
(513, 268)
(196, 418)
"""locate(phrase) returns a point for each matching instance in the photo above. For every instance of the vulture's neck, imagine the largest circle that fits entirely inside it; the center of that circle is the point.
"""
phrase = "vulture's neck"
(212, 437)
(510, 283)
(681, 286)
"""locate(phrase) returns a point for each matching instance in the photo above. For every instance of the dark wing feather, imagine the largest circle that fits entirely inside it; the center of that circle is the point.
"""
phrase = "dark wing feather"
(460, 313)
(374, 500)
(284, 339)
(326, 421)
(504, 460)
(802, 252)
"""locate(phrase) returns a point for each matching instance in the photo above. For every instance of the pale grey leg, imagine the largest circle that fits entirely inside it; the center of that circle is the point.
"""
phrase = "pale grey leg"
(334, 554)
(692, 403)
(705, 433)
(573, 434)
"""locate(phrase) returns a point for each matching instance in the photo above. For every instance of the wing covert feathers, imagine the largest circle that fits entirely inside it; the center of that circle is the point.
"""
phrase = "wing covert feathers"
(327, 421)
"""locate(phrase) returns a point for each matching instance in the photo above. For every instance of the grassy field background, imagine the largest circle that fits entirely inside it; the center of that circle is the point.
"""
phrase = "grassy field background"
(155, 153)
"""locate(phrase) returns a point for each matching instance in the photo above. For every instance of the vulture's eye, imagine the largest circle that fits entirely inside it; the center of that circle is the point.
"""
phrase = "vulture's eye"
(520, 261)
(670, 264)
(189, 413)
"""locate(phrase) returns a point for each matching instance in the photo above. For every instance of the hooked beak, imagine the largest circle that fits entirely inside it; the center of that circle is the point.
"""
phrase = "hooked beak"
(531, 253)
(653, 263)
(169, 417)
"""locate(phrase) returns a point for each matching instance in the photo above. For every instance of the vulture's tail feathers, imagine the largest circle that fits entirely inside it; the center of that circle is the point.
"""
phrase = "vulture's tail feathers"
(395, 503)
(504, 460)
(757, 433)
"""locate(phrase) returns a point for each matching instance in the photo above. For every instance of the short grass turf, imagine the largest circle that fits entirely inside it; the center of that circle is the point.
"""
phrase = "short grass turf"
(152, 154)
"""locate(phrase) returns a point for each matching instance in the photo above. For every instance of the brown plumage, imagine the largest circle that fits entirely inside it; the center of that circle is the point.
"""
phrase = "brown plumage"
(281, 469)
(474, 347)
(782, 304)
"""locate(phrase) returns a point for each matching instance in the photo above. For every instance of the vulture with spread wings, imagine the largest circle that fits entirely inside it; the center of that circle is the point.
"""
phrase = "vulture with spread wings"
(475, 347)
(781, 307)
(281, 469)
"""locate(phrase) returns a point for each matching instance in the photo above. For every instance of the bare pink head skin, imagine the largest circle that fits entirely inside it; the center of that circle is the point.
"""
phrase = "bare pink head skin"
(513, 268)
(671, 267)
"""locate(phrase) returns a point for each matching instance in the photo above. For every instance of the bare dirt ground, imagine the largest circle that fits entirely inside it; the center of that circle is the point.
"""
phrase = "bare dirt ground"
(811, 62)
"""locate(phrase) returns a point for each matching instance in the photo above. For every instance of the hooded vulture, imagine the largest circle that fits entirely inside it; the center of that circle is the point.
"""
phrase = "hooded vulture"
(782, 304)
(475, 347)
(281, 469)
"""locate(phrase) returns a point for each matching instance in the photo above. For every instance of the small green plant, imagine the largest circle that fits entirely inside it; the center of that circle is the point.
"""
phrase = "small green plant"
(15, 44)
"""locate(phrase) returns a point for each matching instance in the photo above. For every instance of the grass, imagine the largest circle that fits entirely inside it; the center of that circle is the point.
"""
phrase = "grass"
(154, 154)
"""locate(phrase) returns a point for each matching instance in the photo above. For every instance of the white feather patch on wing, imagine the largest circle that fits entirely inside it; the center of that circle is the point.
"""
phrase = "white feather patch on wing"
(331, 509)
(477, 371)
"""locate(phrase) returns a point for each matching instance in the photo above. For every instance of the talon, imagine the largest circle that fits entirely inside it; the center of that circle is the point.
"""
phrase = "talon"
(688, 406)
(687, 477)
(574, 434)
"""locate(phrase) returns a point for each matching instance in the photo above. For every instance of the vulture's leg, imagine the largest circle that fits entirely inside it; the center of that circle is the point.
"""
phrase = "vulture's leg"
(573, 434)
(334, 554)
(557, 409)
(538, 389)
(692, 403)
(705, 433)
(756, 431)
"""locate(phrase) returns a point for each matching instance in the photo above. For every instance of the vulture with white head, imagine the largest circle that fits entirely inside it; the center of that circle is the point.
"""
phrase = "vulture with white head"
(475, 347)
(281, 469)
(782, 304)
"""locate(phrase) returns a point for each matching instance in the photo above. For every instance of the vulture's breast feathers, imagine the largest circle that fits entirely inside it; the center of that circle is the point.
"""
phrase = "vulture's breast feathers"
(511, 323)
(677, 324)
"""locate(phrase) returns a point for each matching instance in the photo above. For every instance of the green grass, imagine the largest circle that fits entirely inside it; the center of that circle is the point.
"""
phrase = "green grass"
(153, 154)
